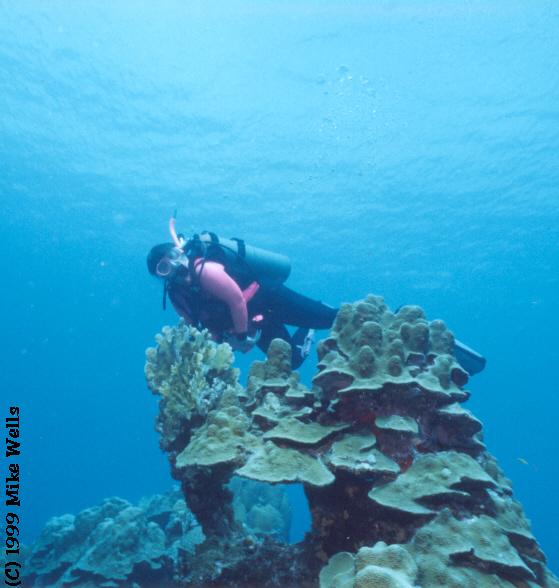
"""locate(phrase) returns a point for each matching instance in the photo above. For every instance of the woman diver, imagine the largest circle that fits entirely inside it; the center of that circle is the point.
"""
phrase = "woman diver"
(236, 291)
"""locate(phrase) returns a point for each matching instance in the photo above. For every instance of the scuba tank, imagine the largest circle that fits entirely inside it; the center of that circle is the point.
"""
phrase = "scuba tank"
(241, 260)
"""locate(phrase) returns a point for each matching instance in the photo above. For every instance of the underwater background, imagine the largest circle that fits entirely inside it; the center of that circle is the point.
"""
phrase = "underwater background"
(403, 148)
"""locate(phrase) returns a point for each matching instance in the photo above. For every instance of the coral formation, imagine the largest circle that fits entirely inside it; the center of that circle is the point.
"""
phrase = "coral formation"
(190, 375)
(401, 489)
(115, 544)
(121, 545)
(382, 566)
(389, 459)
(264, 508)
(433, 479)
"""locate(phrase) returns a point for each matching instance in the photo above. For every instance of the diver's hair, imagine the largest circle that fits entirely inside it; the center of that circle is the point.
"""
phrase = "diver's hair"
(155, 255)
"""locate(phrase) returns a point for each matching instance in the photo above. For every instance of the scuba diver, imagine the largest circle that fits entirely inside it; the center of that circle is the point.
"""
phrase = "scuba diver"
(236, 291)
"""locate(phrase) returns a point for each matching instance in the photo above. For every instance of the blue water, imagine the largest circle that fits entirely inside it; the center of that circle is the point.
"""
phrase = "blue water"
(402, 148)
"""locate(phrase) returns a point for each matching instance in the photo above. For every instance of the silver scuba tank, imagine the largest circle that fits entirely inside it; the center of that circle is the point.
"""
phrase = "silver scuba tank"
(266, 267)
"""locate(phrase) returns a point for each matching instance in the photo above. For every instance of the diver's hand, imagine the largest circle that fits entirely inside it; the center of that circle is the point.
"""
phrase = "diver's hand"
(240, 342)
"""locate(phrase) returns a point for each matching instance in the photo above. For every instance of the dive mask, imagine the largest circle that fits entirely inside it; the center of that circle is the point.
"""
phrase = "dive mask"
(168, 265)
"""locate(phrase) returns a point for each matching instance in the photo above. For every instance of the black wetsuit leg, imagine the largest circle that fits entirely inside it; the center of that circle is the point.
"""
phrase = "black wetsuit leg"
(290, 308)
(278, 331)
(272, 331)
(281, 306)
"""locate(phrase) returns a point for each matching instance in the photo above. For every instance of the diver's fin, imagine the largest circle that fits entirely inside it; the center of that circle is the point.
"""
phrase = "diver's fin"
(307, 343)
(302, 341)
(469, 359)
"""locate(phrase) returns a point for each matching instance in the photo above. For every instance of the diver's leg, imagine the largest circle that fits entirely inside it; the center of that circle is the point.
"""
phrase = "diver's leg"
(271, 331)
(301, 343)
(293, 308)
(278, 331)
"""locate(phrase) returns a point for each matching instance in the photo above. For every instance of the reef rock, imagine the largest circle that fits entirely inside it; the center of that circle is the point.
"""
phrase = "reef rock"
(401, 489)
(121, 545)
(114, 544)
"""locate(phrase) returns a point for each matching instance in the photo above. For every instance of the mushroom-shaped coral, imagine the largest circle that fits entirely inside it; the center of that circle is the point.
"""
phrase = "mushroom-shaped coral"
(475, 542)
(398, 424)
(220, 440)
(371, 347)
(275, 464)
(433, 478)
(291, 429)
(356, 454)
(381, 566)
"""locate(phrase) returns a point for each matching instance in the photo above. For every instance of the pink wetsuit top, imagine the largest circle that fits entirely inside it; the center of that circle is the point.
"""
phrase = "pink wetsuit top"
(217, 283)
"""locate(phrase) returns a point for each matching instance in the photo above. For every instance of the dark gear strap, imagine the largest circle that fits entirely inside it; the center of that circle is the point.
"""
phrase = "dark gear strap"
(194, 250)
(241, 247)
(164, 302)
(213, 237)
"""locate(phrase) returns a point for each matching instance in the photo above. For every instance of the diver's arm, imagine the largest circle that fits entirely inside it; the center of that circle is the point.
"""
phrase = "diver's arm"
(218, 283)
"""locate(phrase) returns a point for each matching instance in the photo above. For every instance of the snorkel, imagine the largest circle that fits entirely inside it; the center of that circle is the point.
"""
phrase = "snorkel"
(179, 241)
(169, 264)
